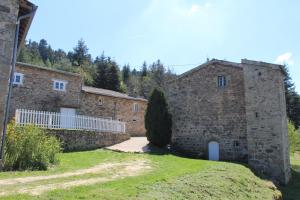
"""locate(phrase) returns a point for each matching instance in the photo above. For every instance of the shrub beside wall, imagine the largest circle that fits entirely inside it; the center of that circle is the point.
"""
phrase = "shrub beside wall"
(29, 148)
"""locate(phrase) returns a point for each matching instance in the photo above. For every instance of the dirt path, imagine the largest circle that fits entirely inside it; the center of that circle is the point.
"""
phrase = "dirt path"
(122, 170)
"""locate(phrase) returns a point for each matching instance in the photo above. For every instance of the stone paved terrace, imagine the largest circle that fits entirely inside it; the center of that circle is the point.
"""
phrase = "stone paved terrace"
(134, 144)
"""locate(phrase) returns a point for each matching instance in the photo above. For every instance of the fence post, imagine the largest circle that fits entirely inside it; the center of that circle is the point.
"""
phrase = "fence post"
(50, 121)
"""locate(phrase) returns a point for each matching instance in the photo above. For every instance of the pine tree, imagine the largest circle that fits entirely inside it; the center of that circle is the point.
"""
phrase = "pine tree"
(134, 72)
(126, 74)
(144, 70)
(292, 99)
(158, 120)
(100, 80)
(113, 81)
(43, 50)
(158, 73)
(80, 54)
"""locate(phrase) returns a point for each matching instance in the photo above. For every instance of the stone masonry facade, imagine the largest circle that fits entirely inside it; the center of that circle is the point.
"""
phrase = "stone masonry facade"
(37, 93)
(116, 108)
(246, 117)
(74, 140)
(8, 17)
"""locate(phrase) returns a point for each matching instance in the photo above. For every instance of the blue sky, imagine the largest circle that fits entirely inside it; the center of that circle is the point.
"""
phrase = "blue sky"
(179, 32)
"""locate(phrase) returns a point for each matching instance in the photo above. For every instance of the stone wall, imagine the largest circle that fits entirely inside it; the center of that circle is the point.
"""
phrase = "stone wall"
(74, 140)
(8, 17)
(203, 112)
(268, 147)
(247, 117)
(37, 91)
(116, 108)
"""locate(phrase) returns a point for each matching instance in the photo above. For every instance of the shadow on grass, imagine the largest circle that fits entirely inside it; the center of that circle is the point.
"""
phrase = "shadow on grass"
(292, 190)
(154, 150)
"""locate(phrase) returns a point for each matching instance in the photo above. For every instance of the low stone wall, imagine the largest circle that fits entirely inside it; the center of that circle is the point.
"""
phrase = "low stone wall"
(74, 140)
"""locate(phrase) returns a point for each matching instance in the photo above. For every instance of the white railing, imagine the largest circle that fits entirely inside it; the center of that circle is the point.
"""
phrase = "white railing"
(54, 120)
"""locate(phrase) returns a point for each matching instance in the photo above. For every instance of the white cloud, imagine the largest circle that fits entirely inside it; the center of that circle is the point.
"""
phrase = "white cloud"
(195, 8)
(285, 58)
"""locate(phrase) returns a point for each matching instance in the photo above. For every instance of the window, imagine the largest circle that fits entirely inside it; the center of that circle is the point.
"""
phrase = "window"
(100, 101)
(221, 81)
(135, 107)
(236, 143)
(18, 79)
(59, 85)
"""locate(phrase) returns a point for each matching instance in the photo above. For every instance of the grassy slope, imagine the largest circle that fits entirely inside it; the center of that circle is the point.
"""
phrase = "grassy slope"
(171, 177)
(292, 190)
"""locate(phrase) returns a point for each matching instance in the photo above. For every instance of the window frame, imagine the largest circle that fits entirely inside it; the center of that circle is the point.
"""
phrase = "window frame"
(135, 107)
(222, 82)
(21, 78)
(59, 85)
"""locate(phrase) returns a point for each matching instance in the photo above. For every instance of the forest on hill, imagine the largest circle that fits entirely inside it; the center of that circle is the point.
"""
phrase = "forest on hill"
(102, 72)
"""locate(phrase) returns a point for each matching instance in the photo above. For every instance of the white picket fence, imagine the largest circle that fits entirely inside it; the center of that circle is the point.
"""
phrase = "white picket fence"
(54, 120)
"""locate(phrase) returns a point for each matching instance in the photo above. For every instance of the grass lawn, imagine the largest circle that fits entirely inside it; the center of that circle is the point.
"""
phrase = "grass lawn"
(162, 177)
(292, 190)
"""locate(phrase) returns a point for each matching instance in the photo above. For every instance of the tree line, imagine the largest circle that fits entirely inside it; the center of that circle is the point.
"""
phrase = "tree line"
(102, 72)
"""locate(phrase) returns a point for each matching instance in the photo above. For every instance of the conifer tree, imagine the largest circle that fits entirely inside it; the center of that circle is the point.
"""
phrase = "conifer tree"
(100, 80)
(80, 54)
(144, 70)
(113, 81)
(126, 74)
(292, 99)
(158, 120)
(43, 50)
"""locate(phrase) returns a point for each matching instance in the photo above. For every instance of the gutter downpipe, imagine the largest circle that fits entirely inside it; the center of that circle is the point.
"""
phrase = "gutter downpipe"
(14, 60)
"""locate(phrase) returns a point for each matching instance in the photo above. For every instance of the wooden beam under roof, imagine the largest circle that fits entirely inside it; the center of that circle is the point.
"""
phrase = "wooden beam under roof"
(25, 7)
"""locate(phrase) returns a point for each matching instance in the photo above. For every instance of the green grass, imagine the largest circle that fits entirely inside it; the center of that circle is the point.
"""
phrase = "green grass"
(292, 190)
(171, 177)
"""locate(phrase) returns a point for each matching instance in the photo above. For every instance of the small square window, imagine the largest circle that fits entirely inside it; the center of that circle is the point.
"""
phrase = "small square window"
(221, 81)
(18, 79)
(100, 101)
(59, 85)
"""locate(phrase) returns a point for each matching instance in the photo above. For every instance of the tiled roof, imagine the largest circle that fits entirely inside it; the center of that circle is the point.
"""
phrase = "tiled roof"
(109, 93)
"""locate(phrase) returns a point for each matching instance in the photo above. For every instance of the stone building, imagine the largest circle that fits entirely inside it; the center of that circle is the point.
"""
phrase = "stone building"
(44, 89)
(11, 12)
(233, 111)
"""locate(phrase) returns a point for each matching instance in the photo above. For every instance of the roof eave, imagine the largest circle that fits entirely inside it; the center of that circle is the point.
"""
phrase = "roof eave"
(27, 22)
(103, 94)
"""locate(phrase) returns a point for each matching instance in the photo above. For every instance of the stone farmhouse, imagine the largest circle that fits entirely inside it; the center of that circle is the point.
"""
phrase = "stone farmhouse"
(233, 111)
(44, 89)
(221, 110)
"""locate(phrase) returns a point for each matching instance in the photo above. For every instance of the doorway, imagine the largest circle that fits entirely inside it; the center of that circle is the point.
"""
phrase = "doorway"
(213, 151)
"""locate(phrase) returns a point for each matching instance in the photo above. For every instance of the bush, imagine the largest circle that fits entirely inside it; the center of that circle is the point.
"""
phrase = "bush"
(158, 120)
(29, 148)
(294, 138)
